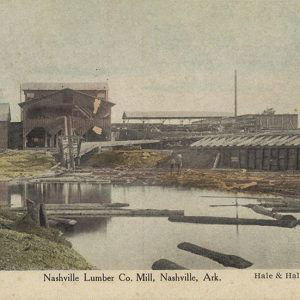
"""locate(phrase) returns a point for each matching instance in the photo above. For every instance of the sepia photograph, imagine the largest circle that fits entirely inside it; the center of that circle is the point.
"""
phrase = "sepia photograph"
(150, 135)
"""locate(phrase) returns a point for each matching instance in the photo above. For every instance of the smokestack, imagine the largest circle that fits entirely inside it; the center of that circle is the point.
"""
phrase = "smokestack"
(235, 93)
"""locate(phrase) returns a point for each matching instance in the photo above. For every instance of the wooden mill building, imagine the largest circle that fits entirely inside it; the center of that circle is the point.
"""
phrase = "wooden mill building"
(257, 122)
(4, 125)
(177, 117)
(48, 106)
(270, 151)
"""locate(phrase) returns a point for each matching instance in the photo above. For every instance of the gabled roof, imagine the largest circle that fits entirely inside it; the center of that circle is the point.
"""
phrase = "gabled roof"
(5, 112)
(79, 86)
(173, 114)
(36, 100)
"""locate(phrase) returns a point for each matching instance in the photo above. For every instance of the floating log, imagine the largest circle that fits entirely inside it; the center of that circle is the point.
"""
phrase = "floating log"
(165, 264)
(286, 209)
(68, 179)
(241, 197)
(229, 205)
(116, 204)
(223, 259)
(116, 212)
(274, 204)
(63, 221)
(232, 221)
(79, 206)
(274, 215)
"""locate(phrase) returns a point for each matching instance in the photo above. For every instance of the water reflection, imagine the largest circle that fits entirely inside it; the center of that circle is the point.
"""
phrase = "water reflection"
(4, 194)
(85, 225)
(55, 193)
(136, 242)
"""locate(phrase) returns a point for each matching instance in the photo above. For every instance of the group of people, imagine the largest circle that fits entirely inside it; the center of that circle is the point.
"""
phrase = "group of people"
(176, 162)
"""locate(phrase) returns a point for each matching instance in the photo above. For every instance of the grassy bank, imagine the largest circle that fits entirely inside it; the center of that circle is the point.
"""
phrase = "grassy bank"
(25, 246)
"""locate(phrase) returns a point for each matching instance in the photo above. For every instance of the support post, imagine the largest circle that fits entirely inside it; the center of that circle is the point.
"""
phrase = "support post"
(31, 210)
(235, 93)
(43, 219)
(217, 160)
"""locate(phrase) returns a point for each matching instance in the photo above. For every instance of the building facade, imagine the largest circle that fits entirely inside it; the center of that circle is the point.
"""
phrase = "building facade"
(49, 106)
(265, 151)
(4, 125)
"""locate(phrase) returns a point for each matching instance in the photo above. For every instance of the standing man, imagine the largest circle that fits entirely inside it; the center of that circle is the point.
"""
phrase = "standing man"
(172, 164)
(179, 163)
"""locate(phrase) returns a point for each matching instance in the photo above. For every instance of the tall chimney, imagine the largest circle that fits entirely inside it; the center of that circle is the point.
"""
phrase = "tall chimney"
(235, 93)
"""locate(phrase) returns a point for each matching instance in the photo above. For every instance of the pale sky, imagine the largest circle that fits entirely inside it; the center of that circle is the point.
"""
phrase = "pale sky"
(158, 54)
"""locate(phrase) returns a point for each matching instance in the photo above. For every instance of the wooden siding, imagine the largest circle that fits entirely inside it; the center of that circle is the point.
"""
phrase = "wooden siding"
(268, 159)
(4, 127)
(49, 114)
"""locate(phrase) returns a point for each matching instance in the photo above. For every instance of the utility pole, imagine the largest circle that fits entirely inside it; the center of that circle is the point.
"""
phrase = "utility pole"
(235, 93)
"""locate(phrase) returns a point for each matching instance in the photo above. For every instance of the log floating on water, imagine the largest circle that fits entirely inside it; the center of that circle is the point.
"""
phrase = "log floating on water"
(79, 206)
(232, 221)
(274, 215)
(116, 212)
(165, 264)
(286, 209)
(273, 204)
(62, 221)
(109, 209)
(223, 259)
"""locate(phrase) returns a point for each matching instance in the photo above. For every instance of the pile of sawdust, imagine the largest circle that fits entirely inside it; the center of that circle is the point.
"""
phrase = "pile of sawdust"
(212, 179)
(15, 164)
(131, 159)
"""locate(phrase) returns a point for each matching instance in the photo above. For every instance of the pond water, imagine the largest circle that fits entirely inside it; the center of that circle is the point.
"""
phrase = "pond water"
(136, 242)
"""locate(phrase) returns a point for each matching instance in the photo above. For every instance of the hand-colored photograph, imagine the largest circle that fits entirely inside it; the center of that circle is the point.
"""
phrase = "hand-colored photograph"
(149, 135)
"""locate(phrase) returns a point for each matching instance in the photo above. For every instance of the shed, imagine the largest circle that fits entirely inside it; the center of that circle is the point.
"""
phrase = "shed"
(271, 151)
(4, 124)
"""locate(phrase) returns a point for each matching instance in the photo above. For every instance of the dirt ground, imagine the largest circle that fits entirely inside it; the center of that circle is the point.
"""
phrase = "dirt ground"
(17, 164)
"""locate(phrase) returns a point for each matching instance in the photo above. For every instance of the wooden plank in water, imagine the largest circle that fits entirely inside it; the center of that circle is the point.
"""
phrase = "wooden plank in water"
(223, 259)
(274, 215)
(273, 204)
(116, 212)
(165, 264)
(63, 221)
(286, 209)
(232, 221)
(79, 206)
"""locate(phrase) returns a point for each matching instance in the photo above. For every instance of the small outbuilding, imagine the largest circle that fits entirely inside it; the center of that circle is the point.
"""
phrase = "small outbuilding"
(272, 151)
(5, 118)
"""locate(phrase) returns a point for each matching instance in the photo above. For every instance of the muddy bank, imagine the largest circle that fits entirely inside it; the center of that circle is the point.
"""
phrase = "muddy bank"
(25, 246)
